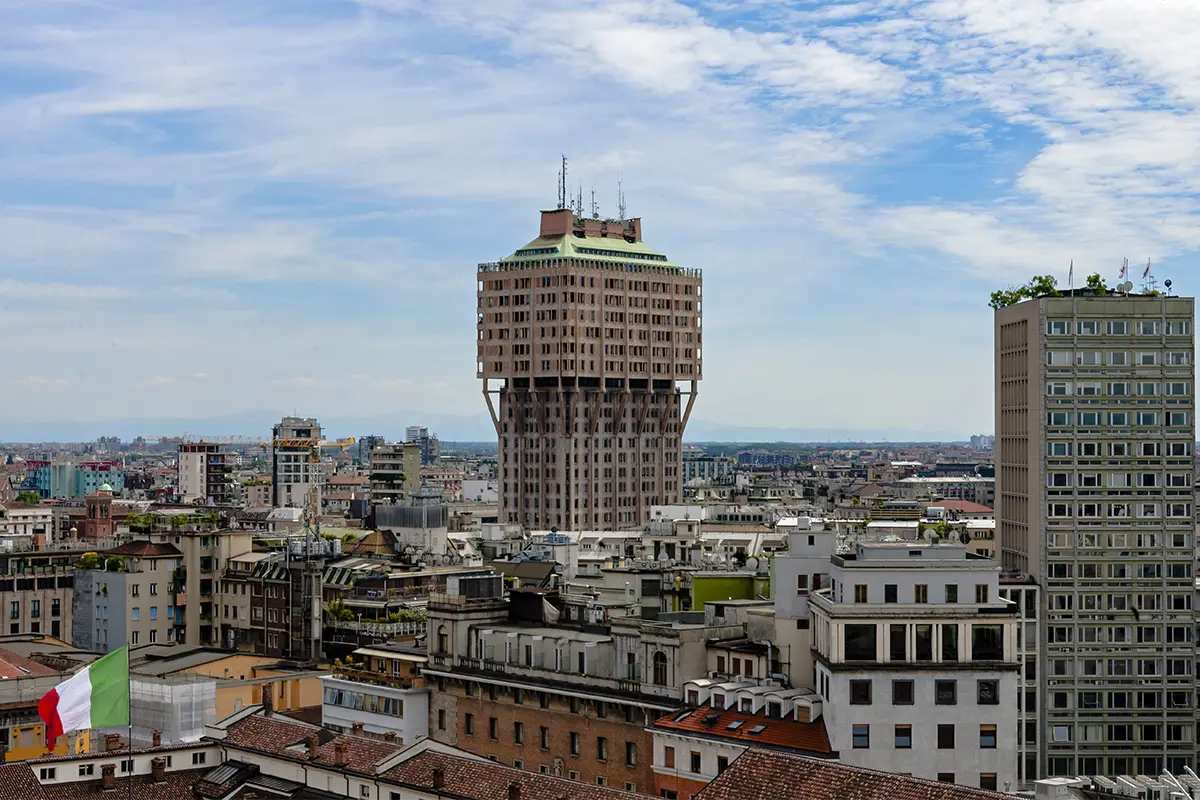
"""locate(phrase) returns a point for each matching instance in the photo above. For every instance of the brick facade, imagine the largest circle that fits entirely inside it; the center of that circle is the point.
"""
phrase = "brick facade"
(453, 713)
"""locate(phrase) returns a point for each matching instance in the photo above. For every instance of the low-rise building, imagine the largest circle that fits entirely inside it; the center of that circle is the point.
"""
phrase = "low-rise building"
(724, 720)
(557, 683)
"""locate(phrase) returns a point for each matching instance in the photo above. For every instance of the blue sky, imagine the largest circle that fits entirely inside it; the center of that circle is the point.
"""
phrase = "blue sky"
(213, 207)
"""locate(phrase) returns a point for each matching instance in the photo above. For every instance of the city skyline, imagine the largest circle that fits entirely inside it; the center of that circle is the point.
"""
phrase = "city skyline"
(215, 211)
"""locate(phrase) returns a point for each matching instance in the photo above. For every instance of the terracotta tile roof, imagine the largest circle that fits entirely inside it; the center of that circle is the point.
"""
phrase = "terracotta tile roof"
(145, 549)
(348, 480)
(467, 777)
(177, 786)
(770, 775)
(122, 750)
(808, 737)
(18, 780)
(275, 734)
(15, 666)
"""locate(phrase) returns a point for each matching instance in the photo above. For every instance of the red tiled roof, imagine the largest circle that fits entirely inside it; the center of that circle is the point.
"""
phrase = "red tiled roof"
(809, 737)
(177, 786)
(15, 666)
(347, 480)
(467, 777)
(18, 780)
(145, 549)
(761, 774)
(275, 734)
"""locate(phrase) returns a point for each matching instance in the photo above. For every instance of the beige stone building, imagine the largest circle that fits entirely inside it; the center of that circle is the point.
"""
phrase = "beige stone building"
(589, 346)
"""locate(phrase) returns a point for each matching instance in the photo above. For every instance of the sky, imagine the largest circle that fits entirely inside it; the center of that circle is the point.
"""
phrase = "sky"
(210, 207)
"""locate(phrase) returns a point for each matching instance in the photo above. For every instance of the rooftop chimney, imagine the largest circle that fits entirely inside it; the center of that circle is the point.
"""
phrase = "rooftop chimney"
(341, 754)
(439, 778)
(313, 744)
(514, 791)
(357, 729)
(268, 699)
(158, 769)
(112, 741)
(156, 738)
(108, 774)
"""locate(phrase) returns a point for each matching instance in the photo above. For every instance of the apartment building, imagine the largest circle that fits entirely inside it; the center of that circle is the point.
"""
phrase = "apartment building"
(917, 663)
(205, 474)
(133, 603)
(293, 474)
(1095, 426)
(271, 605)
(395, 473)
(36, 590)
(379, 692)
(555, 683)
(419, 435)
(589, 348)
(25, 518)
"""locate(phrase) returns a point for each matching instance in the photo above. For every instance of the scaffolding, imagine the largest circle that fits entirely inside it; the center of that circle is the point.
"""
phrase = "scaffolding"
(179, 706)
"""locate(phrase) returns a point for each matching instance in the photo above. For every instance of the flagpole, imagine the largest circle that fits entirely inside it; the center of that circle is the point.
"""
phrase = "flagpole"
(129, 672)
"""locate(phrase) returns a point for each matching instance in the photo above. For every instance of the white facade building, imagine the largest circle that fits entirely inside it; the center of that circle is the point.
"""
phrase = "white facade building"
(380, 708)
(917, 663)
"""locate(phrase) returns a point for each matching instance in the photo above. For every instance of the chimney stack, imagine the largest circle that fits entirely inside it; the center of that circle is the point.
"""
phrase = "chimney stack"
(439, 778)
(156, 738)
(112, 741)
(357, 729)
(514, 791)
(313, 744)
(158, 770)
(341, 754)
(108, 773)
(268, 699)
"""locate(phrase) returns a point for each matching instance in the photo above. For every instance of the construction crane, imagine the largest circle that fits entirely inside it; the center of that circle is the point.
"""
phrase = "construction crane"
(312, 510)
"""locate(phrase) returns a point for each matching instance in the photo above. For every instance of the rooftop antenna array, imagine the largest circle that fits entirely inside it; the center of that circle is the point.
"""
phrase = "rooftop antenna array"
(620, 202)
(579, 202)
(595, 209)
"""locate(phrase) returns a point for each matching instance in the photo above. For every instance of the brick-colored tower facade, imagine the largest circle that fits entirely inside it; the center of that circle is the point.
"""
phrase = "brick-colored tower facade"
(590, 353)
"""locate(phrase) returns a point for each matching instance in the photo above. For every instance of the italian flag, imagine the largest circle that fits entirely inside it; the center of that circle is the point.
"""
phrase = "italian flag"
(95, 697)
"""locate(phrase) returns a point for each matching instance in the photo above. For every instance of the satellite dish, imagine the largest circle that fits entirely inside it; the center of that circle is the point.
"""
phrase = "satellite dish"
(1126, 287)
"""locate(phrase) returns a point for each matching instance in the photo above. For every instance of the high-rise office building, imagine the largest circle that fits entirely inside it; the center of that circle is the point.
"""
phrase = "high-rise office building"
(1095, 425)
(293, 474)
(589, 346)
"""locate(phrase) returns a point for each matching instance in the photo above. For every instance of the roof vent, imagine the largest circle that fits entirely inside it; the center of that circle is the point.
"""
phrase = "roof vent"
(757, 729)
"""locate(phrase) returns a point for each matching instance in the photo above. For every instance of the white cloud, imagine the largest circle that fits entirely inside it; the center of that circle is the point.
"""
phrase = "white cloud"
(267, 190)
(34, 381)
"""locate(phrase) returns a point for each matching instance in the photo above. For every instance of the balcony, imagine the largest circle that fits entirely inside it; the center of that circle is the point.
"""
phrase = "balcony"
(378, 678)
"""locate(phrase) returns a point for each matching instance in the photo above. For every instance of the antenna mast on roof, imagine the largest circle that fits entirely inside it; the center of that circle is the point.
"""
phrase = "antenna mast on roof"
(579, 201)
(595, 210)
(562, 183)
(620, 202)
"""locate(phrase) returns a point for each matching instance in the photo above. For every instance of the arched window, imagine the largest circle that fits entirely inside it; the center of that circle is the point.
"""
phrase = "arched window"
(660, 668)
(443, 640)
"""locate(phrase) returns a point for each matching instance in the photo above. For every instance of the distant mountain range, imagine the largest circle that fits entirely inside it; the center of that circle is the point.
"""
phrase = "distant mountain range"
(449, 427)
